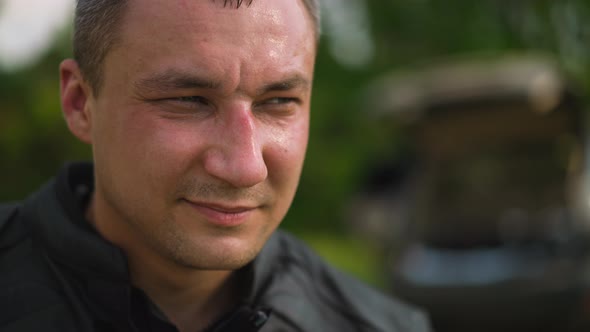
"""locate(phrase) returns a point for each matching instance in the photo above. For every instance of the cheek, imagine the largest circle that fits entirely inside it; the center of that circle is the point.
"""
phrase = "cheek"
(145, 151)
(284, 163)
(286, 155)
(167, 150)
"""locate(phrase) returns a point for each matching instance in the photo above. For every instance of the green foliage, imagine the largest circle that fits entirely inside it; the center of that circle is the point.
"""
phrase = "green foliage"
(350, 254)
(34, 141)
(408, 34)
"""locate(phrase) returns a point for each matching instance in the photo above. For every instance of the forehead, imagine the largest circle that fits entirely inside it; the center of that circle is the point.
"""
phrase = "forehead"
(243, 48)
(261, 37)
(270, 18)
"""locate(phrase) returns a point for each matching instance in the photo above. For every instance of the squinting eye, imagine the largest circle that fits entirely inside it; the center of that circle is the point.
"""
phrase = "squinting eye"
(192, 99)
(186, 105)
(282, 100)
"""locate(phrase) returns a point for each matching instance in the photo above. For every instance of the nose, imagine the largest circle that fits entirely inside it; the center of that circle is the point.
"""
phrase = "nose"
(236, 156)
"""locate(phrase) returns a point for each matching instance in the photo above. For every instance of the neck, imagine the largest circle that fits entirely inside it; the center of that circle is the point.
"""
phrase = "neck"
(192, 299)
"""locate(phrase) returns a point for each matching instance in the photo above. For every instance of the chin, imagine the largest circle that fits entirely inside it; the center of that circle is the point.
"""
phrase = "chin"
(215, 263)
(217, 255)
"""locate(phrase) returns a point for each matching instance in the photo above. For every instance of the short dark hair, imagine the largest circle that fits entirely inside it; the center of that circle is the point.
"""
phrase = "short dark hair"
(95, 33)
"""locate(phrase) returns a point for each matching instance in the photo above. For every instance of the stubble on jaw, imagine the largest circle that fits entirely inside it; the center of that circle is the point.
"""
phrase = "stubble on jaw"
(176, 246)
(172, 242)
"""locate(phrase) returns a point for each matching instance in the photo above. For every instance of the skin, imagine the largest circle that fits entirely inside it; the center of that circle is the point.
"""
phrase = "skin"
(198, 135)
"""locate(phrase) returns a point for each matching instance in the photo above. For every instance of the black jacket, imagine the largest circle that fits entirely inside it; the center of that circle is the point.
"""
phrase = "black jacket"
(58, 274)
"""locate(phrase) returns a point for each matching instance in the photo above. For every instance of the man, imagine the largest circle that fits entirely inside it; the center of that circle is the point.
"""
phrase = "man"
(197, 112)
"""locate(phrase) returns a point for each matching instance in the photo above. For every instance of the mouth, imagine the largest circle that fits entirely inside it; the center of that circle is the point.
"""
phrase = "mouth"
(223, 215)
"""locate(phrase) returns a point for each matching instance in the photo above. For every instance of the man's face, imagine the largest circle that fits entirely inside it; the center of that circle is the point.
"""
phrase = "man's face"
(200, 129)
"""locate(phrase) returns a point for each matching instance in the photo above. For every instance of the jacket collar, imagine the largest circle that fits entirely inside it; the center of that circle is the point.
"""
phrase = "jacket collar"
(98, 269)
(57, 220)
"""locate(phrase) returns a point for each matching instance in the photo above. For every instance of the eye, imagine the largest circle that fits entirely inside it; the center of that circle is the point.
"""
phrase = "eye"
(191, 99)
(185, 106)
(278, 107)
(188, 103)
(281, 101)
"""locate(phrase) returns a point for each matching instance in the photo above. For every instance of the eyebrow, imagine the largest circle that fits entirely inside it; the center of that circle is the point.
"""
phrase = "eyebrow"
(176, 80)
(294, 82)
(173, 80)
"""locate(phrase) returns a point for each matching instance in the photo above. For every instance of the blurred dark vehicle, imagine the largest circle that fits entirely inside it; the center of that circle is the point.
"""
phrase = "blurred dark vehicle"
(485, 221)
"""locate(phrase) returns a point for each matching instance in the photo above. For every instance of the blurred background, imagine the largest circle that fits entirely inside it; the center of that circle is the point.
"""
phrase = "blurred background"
(447, 157)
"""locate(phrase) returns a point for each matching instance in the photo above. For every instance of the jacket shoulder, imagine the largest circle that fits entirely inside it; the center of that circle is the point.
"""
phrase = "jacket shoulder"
(30, 296)
(11, 231)
(315, 296)
(7, 211)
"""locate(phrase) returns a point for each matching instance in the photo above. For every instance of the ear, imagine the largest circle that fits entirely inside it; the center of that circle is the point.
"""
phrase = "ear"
(75, 97)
